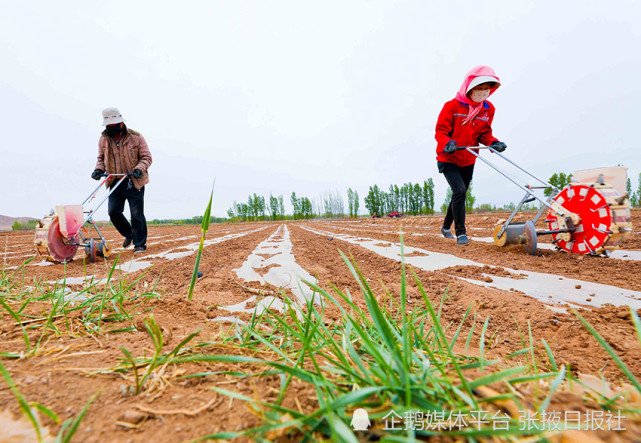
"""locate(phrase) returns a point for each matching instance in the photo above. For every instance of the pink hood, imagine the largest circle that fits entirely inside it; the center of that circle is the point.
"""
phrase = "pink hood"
(461, 95)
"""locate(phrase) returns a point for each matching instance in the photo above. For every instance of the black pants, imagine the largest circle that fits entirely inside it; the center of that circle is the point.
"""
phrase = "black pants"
(137, 230)
(459, 178)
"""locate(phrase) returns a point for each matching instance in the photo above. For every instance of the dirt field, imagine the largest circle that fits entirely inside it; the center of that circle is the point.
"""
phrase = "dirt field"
(505, 285)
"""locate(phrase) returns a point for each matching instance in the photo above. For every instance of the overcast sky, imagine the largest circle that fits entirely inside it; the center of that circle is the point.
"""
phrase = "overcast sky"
(282, 96)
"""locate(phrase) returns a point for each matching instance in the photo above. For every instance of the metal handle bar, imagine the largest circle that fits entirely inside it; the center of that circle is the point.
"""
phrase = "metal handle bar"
(116, 175)
(526, 188)
(547, 185)
(462, 148)
(113, 188)
(93, 194)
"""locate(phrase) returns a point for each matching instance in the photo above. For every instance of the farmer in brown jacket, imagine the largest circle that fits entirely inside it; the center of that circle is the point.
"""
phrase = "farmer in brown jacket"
(124, 151)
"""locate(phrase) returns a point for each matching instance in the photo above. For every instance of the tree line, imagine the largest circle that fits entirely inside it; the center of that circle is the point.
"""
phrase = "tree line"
(409, 198)
(635, 197)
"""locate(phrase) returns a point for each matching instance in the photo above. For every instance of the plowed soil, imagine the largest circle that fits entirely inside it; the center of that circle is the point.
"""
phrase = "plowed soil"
(73, 365)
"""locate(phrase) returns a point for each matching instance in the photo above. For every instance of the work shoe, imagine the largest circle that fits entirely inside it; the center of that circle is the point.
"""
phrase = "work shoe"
(446, 233)
(127, 242)
(462, 240)
(142, 248)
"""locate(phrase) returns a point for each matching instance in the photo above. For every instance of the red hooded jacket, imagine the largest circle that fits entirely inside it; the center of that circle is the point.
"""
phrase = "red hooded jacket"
(450, 122)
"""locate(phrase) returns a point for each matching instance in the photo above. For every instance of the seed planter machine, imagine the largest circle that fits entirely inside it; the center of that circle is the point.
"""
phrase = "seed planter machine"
(583, 218)
(61, 233)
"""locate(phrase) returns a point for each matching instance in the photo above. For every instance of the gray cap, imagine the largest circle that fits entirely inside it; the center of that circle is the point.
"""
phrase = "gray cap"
(111, 116)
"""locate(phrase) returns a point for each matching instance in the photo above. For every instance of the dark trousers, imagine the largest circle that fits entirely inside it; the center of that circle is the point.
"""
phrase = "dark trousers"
(137, 230)
(459, 178)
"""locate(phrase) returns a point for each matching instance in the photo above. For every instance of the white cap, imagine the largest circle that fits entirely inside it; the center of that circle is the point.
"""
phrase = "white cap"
(481, 79)
(111, 116)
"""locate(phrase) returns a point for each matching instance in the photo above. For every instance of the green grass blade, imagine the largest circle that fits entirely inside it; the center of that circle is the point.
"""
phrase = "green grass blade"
(550, 355)
(46, 411)
(529, 326)
(610, 351)
(24, 406)
(497, 376)
(460, 326)
(205, 228)
(340, 431)
(134, 367)
(76, 421)
(637, 323)
(553, 387)
(17, 319)
(482, 341)
(469, 398)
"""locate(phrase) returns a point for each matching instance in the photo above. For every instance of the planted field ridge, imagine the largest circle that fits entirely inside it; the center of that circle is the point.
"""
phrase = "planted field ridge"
(334, 330)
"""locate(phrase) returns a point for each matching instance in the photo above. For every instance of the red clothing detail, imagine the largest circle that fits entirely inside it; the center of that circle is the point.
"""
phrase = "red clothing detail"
(450, 127)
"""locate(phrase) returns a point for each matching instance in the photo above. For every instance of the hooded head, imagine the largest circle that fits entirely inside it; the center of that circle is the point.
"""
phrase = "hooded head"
(481, 77)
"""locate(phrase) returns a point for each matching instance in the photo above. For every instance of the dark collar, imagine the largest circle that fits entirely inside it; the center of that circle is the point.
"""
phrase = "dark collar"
(485, 105)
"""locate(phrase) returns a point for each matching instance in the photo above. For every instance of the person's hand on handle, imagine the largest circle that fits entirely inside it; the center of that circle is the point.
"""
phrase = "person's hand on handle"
(450, 147)
(137, 173)
(97, 174)
(499, 146)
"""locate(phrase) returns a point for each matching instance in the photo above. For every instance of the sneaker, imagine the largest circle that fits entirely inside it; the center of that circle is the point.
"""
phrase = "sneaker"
(142, 248)
(127, 242)
(446, 233)
(462, 240)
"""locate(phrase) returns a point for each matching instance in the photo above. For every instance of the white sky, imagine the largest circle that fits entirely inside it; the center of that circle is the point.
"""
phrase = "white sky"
(304, 96)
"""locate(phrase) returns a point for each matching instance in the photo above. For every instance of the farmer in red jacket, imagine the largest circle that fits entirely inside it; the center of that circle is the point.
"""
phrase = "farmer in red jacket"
(465, 121)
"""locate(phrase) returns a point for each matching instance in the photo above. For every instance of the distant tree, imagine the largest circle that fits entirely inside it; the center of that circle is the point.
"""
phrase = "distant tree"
(631, 195)
(559, 180)
(233, 211)
(273, 207)
(296, 204)
(306, 208)
(243, 211)
(392, 198)
(259, 201)
(428, 195)
(486, 207)
(356, 203)
(16, 226)
(448, 199)
(350, 202)
(374, 200)
(281, 207)
(637, 194)
(469, 200)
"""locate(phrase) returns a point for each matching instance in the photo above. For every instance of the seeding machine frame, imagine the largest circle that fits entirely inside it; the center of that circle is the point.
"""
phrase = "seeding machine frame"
(584, 218)
(61, 233)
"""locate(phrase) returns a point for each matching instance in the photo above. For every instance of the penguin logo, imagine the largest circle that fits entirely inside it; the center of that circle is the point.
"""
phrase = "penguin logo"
(360, 420)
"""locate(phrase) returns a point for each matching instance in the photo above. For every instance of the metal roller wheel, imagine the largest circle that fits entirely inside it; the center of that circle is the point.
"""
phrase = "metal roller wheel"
(502, 240)
(103, 249)
(90, 250)
(529, 231)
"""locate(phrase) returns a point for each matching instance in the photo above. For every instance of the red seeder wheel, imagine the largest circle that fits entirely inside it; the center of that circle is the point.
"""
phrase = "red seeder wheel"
(59, 247)
(598, 221)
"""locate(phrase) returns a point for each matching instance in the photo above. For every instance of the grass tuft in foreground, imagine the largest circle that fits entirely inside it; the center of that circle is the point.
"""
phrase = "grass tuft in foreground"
(396, 366)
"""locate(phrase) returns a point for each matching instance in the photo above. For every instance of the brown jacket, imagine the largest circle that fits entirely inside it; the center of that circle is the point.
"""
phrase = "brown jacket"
(133, 153)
